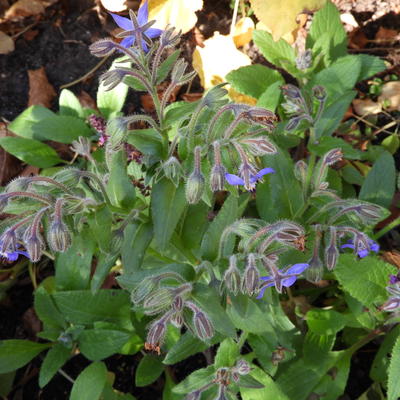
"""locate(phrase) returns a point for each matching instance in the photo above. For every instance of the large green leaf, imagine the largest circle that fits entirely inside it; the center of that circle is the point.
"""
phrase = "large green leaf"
(227, 354)
(148, 141)
(15, 353)
(195, 380)
(69, 104)
(90, 382)
(370, 65)
(46, 309)
(30, 151)
(380, 184)
(55, 358)
(167, 205)
(149, 369)
(393, 391)
(325, 322)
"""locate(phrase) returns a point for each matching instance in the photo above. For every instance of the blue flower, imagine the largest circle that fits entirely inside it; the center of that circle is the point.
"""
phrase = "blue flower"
(373, 246)
(13, 255)
(133, 25)
(280, 278)
(237, 180)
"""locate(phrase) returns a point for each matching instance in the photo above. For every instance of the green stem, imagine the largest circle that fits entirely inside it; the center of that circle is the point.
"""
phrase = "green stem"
(242, 339)
(387, 228)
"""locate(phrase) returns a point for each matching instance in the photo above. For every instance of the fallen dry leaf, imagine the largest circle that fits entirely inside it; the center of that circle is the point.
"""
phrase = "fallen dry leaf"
(86, 100)
(40, 90)
(392, 257)
(280, 16)
(242, 34)
(24, 8)
(6, 43)
(366, 107)
(216, 59)
(386, 35)
(180, 14)
(9, 165)
(357, 39)
(390, 95)
(114, 5)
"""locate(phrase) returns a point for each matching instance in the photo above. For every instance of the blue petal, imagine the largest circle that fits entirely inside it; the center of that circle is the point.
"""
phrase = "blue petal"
(297, 269)
(374, 246)
(128, 42)
(122, 22)
(265, 278)
(24, 253)
(12, 256)
(263, 172)
(144, 46)
(347, 246)
(153, 32)
(143, 13)
(289, 281)
(363, 253)
(261, 294)
(234, 179)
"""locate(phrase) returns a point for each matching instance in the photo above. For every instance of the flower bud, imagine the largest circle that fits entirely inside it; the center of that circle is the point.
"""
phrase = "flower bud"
(300, 170)
(304, 60)
(195, 187)
(158, 301)
(231, 277)
(117, 129)
(293, 123)
(81, 146)
(58, 236)
(18, 184)
(331, 257)
(143, 289)
(202, 325)
(251, 277)
(391, 305)
(315, 270)
(319, 92)
(34, 245)
(369, 211)
(291, 92)
(69, 177)
(178, 303)
(261, 116)
(172, 169)
(177, 320)
(217, 177)
(260, 146)
(102, 48)
(333, 156)
(117, 239)
(169, 37)
(8, 241)
(156, 335)
(242, 367)
(98, 123)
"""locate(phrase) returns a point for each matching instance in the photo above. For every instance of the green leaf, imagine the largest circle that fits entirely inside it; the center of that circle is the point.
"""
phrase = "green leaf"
(326, 143)
(24, 123)
(55, 358)
(111, 102)
(148, 141)
(327, 21)
(280, 195)
(195, 380)
(279, 53)
(325, 322)
(69, 104)
(194, 225)
(15, 353)
(119, 187)
(166, 66)
(96, 344)
(228, 352)
(253, 80)
(149, 369)
(103, 267)
(270, 98)
(393, 391)
(6, 383)
(370, 65)
(379, 185)
(62, 128)
(167, 205)
(391, 143)
(364, 279)
(226, 216)
(46, 309)
(90, 382)
(100, 224)
(81, 307)
(30, 151)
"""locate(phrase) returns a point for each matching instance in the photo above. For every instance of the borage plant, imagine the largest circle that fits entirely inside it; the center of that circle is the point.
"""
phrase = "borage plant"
(208, 233)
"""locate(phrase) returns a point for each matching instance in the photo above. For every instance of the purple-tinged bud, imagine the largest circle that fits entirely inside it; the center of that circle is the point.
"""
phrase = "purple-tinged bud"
(217, 177)
(319, 93)
(169, 37)
(315, 270)
(8, 241)
(332, 252)
(304, 60)
(34, 244)
(156, 335)
(158, 301)
(177, 304)
(196, 395)
(58, 236)
(102, 48)
(178, 76)
(278, 355)
(391, 305)
(291, 92)
(231, 278)
(242, 367)
(177, 320)
(222, 376)
(222, 392)
(370, 211)
(333, 156)
(69, 177)
(259, 146)
(202, 325)
(300, 170)
(235, 376)
(251, 277)
(143, 289)
(293, 122)
(261, 116)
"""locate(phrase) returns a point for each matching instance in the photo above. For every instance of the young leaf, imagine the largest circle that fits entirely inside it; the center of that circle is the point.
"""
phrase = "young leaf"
(325, 322)
(15, 353)
(69, 104)
(195, 380)
(370, 65)
(55, 358)
(393, 391)
(227, 354)
(148, 141)
(30, 151)
(90, 382)
(167, 205)
(149, 369)
(380, 183)
(46, 309)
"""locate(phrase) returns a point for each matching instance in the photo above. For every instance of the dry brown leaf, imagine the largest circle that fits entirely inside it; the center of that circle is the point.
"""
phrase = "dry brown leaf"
(191, 97)
(216, 59)
(357, 39)
(6, 43)
(242, 34)
(86, 100)
(24, 8)
(390, 94)
(366, 107)
(180, 14)
(114, 5)
(386, 35)
(280, 16)
(40, 90)
(392, 257)
(9, 165)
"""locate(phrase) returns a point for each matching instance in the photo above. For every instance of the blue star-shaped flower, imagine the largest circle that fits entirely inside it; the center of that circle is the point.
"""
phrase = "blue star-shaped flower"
(373, 246)
(137, 25)
(237, 180)
(13, 255)
(280, 278)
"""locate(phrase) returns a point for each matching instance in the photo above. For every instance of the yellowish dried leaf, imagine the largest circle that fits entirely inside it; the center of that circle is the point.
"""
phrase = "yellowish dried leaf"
(366, 107)
(241, 98)
(216, 59)
(24, 8)
(390, 96)
(114, 5)
(6, 43)
(280, 16)
(243, 31)
(181, 14)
